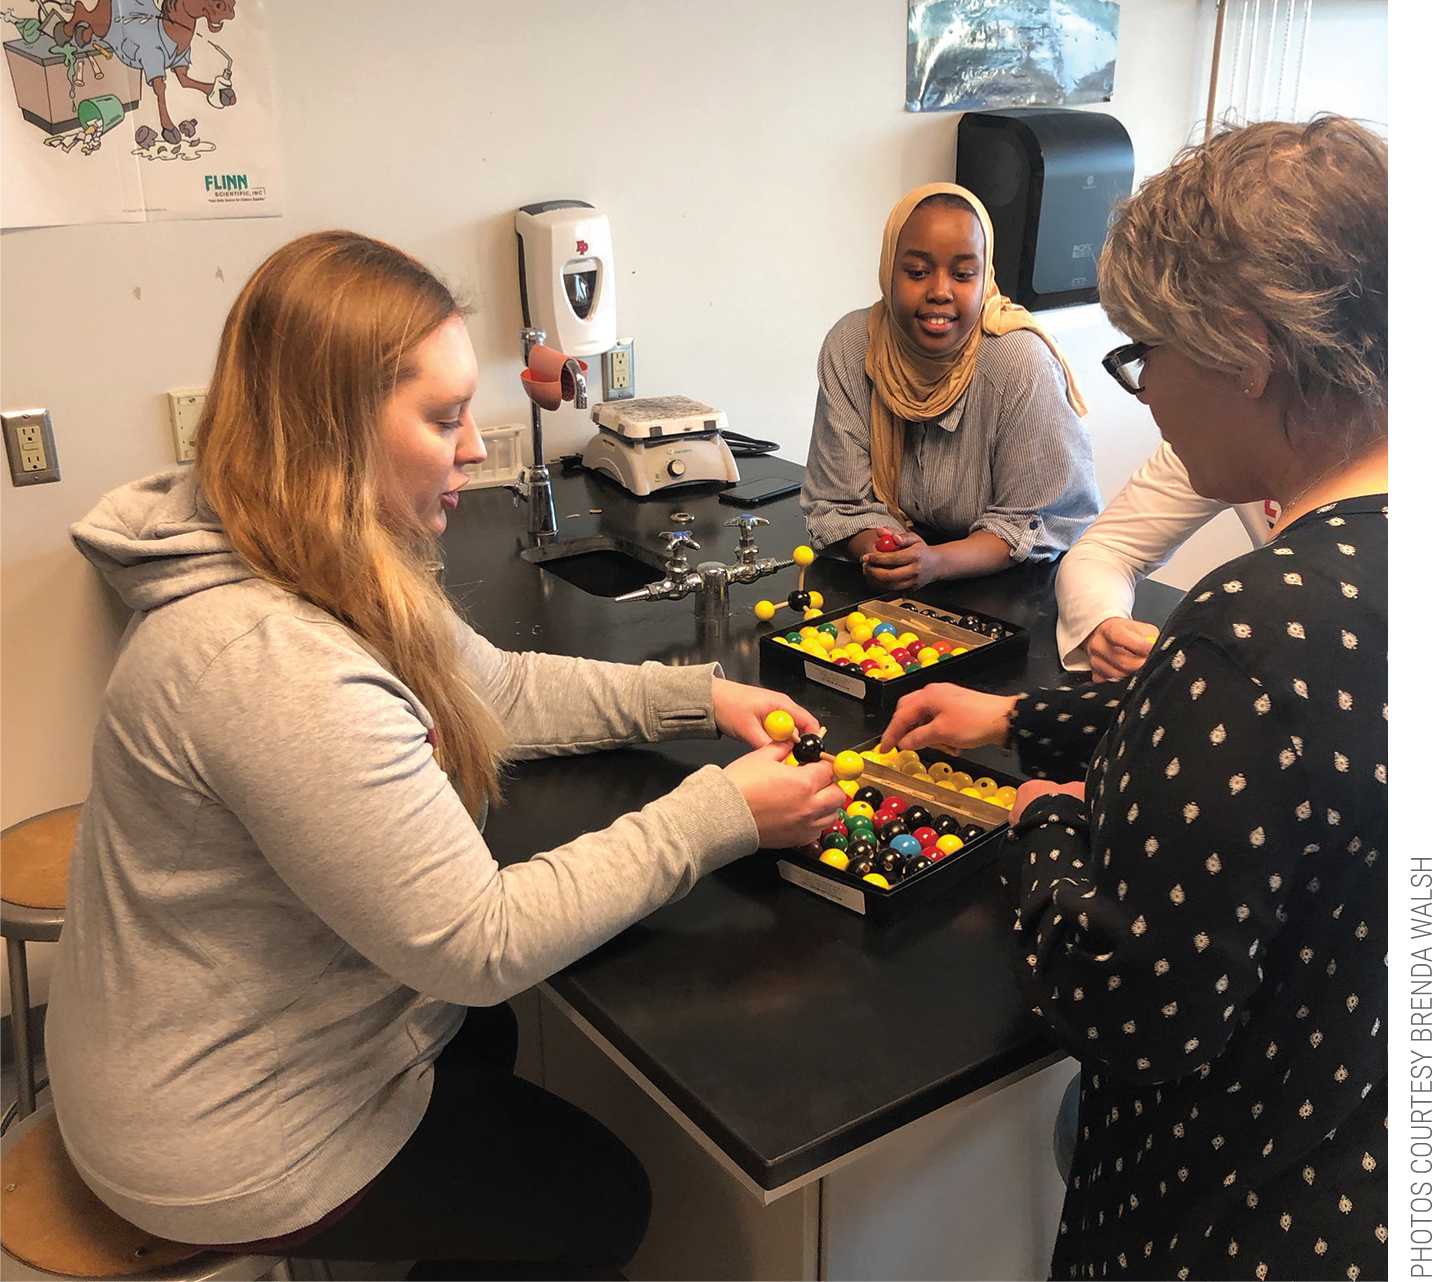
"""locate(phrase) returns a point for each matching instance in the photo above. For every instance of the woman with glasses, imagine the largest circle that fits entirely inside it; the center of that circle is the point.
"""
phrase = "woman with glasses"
(947, 440)
(1199, 869)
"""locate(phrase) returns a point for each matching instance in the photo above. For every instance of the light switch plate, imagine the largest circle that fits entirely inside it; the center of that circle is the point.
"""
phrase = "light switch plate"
(30, 447)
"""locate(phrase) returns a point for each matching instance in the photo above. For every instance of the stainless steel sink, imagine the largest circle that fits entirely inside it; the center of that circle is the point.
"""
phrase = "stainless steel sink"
(599, 564)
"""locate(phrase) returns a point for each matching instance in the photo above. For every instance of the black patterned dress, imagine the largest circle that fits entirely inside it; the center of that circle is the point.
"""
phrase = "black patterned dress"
(1207, 933)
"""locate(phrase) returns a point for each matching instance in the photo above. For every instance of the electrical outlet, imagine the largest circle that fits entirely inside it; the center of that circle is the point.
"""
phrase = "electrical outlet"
(30, 447)
(185, 406)
(618, 372)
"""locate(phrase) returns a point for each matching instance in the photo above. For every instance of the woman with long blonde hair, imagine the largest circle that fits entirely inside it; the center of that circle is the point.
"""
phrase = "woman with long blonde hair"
(282, 911)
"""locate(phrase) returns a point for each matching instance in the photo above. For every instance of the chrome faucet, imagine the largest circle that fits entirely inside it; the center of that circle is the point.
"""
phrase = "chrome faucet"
(710, 581)
(535, 485)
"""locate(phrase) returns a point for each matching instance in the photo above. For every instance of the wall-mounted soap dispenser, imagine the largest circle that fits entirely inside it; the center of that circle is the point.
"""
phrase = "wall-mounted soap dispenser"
(564, 264)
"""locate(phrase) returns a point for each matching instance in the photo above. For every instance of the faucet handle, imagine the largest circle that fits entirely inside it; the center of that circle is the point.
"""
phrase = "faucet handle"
(748, 522)
(678, 541)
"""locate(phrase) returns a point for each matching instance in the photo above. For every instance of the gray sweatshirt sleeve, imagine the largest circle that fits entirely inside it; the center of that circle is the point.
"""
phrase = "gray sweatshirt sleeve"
(554, 705)
(323, 756)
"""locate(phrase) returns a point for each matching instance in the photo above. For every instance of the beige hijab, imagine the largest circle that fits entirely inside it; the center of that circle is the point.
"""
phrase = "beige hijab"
(909, 385)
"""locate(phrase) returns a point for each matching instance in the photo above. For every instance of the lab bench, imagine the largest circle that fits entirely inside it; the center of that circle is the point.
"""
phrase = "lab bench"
(814, 1095)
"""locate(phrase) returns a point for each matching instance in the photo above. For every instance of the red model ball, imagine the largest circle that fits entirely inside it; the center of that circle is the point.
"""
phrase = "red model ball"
(887, 543)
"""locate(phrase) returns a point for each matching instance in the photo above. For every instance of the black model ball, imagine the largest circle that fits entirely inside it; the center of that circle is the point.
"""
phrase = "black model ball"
(895, 828)
(808, 749)
(871, 795)
(946, 824)
(889, 862)
(914, 864)
(799, 600)
(860, 848)
(917, 817)
(969, 832)
(861, 867)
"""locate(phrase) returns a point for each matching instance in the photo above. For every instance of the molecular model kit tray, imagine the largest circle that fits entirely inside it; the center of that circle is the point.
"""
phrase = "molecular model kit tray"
(930, 781)
(941, 645)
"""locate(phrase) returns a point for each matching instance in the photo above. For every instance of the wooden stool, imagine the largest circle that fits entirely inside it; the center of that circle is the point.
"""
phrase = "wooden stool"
(34, 873)
(52, 1226)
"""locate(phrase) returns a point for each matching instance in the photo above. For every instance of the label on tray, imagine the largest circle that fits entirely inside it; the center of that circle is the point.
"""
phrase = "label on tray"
(845, 896)
(835, 680)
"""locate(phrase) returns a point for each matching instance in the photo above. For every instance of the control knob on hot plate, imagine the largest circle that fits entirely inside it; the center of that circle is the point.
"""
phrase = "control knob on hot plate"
(676, 467)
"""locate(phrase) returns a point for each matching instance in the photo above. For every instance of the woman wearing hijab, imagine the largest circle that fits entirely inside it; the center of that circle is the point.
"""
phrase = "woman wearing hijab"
(947, 440)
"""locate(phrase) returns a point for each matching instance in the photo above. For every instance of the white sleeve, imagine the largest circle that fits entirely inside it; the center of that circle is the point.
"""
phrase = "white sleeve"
(1141, 528)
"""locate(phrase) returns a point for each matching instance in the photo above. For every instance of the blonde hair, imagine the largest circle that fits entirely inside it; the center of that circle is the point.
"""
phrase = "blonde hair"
(1284, 221)
(289, 458)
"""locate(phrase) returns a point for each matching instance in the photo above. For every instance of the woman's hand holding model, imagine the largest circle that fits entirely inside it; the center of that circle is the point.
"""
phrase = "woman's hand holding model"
(911, 562)
(1118, 647)
(790, 804)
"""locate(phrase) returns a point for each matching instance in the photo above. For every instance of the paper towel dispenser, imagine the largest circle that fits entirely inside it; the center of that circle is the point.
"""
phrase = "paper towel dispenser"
(1050, 178)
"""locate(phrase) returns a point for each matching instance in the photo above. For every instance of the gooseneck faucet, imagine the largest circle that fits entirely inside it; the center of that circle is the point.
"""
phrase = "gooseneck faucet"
(536, 486)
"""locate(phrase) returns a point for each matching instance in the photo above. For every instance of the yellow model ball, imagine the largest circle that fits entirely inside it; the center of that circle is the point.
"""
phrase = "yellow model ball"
(812, 613)
(949, 843)
(875, 879)
(803, 556)
(835, 858)
(765, 611)
(780, 725)
(858, 808)
(816, 600)
(1004, 797)
(848, 765)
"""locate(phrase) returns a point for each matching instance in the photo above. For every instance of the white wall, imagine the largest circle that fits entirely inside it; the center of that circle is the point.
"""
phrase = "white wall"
(746, 152)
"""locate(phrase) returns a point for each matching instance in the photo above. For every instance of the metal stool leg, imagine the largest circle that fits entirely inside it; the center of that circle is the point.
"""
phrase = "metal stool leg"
(20, 1024)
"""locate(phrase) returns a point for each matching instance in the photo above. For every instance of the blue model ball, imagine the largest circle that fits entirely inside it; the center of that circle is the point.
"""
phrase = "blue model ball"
(906, 844)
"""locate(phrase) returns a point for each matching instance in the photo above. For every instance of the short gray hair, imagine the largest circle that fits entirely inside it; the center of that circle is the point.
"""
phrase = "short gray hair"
(1284, 221)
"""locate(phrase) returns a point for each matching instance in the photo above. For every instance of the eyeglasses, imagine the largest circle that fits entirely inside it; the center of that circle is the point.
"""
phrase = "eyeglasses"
(1126, 365)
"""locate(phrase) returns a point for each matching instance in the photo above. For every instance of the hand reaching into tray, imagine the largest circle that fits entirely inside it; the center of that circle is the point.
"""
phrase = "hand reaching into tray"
(948, 716)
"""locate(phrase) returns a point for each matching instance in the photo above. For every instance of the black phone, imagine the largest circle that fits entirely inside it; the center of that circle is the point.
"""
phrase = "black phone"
(761, 489)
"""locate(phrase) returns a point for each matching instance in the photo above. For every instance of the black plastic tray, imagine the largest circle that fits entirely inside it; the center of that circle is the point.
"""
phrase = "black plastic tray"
(803, 867)
(989, 640)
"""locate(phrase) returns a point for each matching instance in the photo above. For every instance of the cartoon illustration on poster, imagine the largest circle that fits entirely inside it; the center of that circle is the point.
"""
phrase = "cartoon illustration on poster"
(127, 110)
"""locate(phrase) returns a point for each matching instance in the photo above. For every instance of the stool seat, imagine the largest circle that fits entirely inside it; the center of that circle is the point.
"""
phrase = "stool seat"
(52, 1222)
(35, 859)
(34, 880)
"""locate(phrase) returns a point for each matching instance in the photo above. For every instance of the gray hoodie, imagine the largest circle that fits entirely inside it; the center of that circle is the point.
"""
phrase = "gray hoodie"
(278, 905)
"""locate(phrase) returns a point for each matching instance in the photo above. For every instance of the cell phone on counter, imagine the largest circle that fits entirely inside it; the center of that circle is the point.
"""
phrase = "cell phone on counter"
(761, 489)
